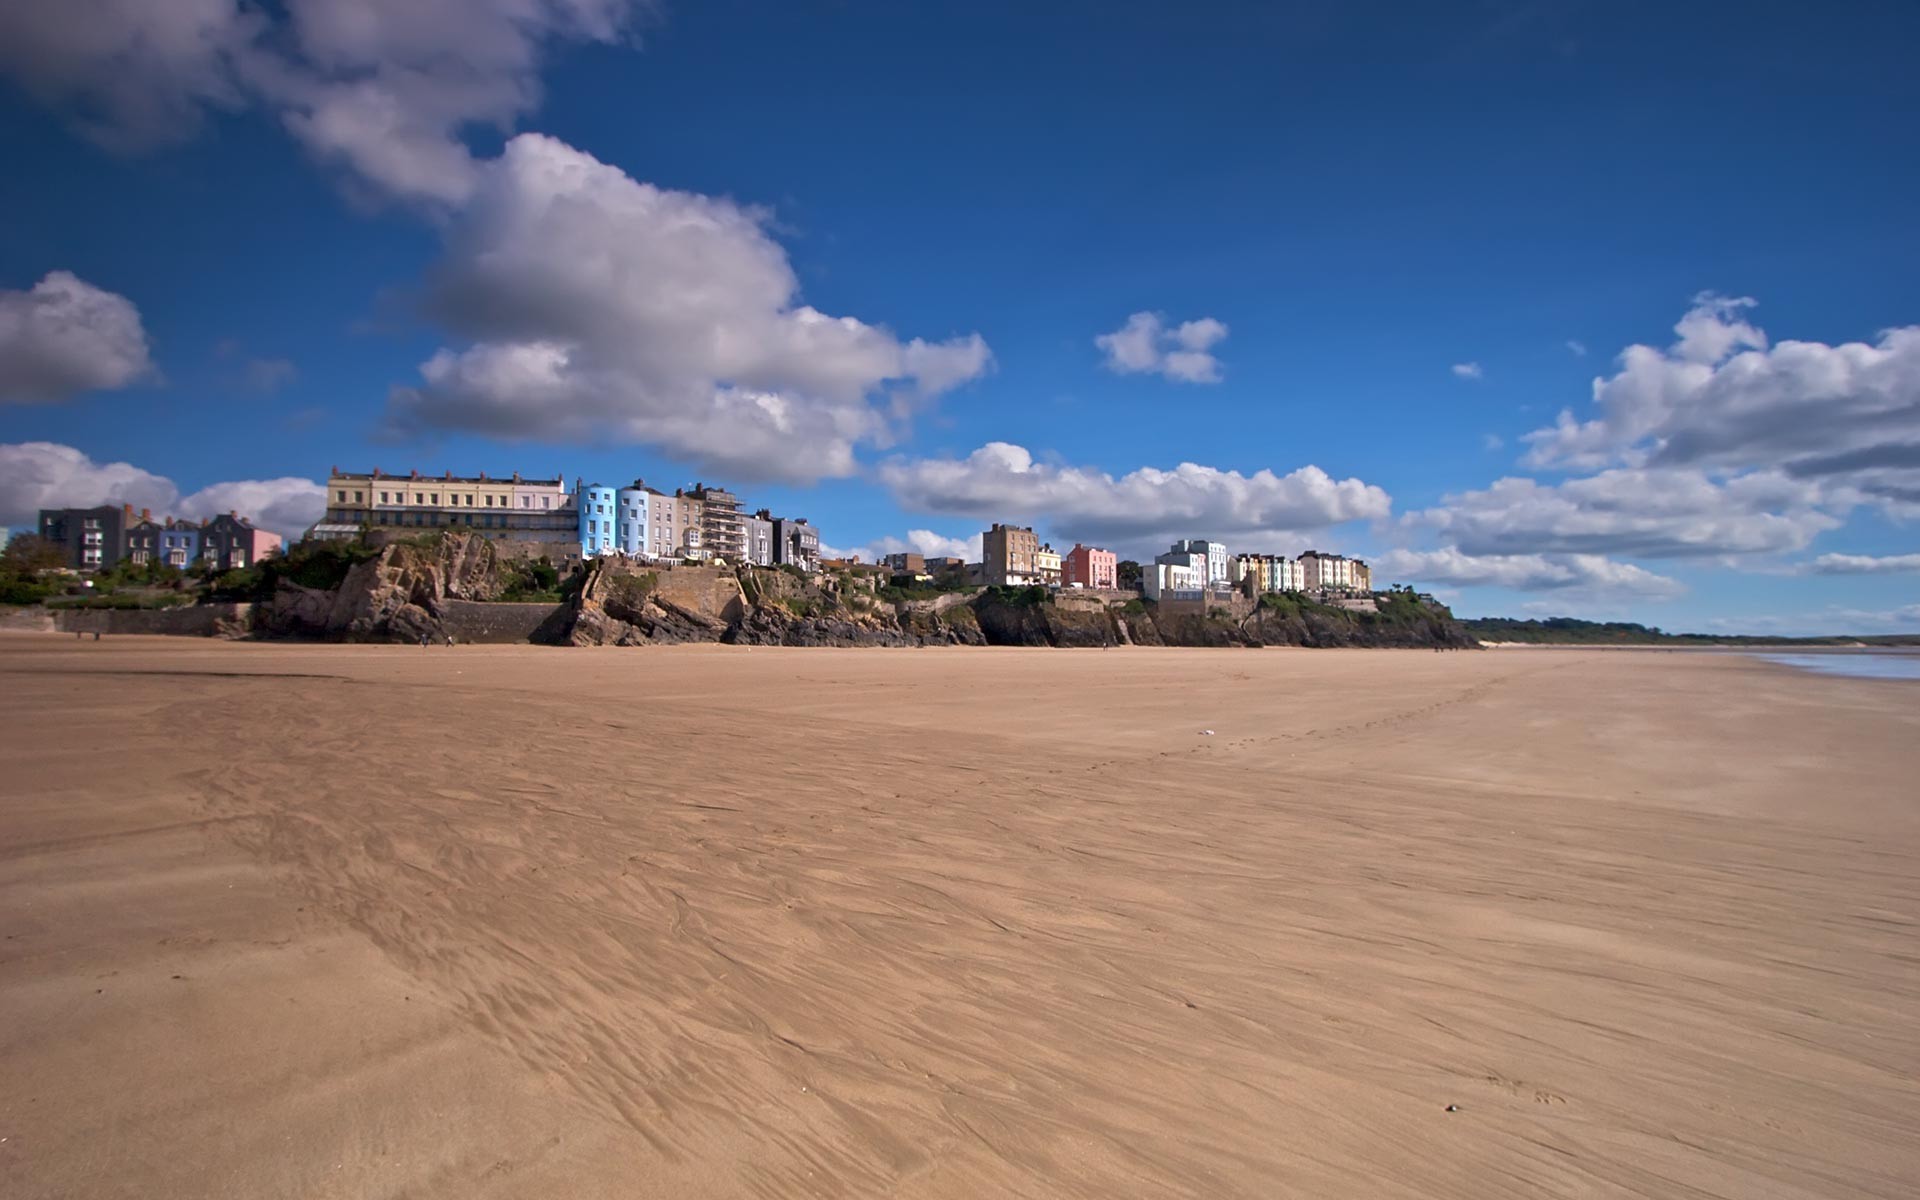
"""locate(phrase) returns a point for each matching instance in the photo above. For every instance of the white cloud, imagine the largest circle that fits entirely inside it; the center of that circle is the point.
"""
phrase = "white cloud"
(604, 308)
(1864, 564)
(385, 89)
(1832, 620)
(1651, 513)
(1592, 575)
(1492, 441)
(1001, 481)
(37, 475)
(918, 541)
(1725, 398)
(286, 506)
(1468, 370)
(1145, 345)
(1577, 348)
(65, 336)
(131, 74)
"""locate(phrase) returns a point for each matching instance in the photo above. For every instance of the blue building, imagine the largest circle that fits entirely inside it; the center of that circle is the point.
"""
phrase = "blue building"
(178, 544)
(598, 505)
(631, 525)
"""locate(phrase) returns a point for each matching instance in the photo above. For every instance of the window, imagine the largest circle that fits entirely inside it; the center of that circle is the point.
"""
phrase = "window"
(419, 498)
(434, 497)
(356, 497)
(340, 497)
(546, 502)
(526, 502)
(383, 497)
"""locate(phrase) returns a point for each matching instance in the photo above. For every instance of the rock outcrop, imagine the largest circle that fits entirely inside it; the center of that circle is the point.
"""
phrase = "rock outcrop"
(413, 588)
(398, 595)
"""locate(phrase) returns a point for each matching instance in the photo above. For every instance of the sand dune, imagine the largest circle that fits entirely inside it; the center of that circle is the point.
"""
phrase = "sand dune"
(376, 921)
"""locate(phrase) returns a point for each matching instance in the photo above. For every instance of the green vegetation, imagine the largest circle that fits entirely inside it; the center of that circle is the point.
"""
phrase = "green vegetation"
(1128, 574)
(531, 583)
(24, 566)
(1019, 597)
(905, 587)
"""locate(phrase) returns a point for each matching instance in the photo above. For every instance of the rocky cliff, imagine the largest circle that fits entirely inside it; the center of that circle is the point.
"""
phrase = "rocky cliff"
(399, 594)
(434, 587)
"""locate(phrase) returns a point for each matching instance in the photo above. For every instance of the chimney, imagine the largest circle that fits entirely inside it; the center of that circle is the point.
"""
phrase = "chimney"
(334, 469)
(127, 509)
(376, 472)
(516, 477)
(234, 513)
(146, 514)
(414, 474)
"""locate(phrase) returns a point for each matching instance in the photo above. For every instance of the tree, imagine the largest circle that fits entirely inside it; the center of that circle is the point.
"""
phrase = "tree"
(1129, 574)
(29, 554)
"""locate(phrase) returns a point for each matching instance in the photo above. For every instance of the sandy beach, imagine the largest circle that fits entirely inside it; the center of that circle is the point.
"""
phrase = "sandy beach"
(358, 921)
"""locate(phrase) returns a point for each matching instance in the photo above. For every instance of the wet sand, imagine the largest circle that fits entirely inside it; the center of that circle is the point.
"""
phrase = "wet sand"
(382, 921)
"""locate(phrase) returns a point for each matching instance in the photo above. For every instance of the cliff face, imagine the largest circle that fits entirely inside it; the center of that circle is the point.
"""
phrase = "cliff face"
(398, 595)
(410, 589)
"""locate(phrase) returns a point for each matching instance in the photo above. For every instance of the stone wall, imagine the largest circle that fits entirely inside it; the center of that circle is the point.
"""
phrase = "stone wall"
(198, 620)
(474, 621)
(31, 619)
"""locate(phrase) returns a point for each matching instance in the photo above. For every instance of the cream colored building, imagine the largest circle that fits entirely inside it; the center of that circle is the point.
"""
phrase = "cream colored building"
(1335, 573)
(1007, 555)
(1046, 564)
(512, 507)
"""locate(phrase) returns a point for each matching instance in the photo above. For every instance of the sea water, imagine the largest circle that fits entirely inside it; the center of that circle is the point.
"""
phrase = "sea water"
(1860, 664)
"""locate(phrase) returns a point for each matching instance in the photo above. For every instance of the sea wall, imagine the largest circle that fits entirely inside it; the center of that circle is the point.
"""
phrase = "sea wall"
(475, 621)
(198, 620)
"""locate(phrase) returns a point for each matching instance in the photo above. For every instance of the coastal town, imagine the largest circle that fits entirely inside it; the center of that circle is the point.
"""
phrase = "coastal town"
(544, 517)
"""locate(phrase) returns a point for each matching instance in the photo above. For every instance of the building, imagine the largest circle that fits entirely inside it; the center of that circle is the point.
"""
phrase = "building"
(514, 509)
(598, 507)
(93, 539)
(1090, 567)
(676, 530)
(1181, 556)
(1213, 556)
(1046, 564)
(1334, 573)
(1172, 577)
(179, 543)
(1007, 556)
(756, 535)
(795, 543)
(143, 539)
(229, 542)
(720, 522)
(906, 563)
(1269, 572)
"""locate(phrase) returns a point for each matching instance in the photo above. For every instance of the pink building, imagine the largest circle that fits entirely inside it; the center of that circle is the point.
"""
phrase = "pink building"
(1086, 566)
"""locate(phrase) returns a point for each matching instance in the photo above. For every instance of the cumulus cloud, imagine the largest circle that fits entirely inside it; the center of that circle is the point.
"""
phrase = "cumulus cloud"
(918, 541)
(1592, 575)
(1864, 564)
(130, 74)
(1183, 353)
(1640, 512)
(1723, 397)
(286, 506)
(1467, 370)
(37, 475)
(386, 90)
(65, 336)
(601, 307)
(1001, 481)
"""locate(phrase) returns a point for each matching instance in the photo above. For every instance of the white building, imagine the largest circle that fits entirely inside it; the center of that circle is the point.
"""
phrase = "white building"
(1163, 578)
(1213, 560)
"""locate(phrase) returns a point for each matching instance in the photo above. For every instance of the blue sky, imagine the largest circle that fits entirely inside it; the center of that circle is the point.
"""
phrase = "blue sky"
(857, 259)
